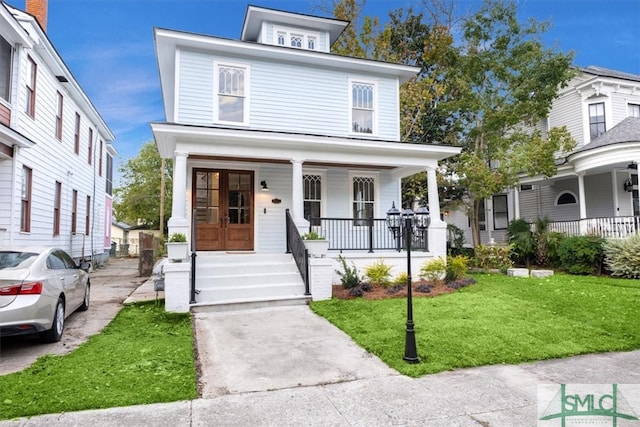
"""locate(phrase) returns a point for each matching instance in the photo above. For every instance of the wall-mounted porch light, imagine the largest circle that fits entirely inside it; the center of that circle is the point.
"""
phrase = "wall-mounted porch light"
(264, 186)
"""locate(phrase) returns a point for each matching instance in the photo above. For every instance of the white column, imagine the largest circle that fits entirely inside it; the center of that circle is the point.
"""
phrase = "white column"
(178, 223)
(297, 196)
(616, 201)
(437, 233)
(516, 202)
(583, 204)
(432, 194)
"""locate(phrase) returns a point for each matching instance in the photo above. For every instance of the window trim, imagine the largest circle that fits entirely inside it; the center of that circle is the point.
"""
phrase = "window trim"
(562, 193)
(87, 218)
(76, 135)
(376, 193)
(59, 115)
(90, 147)
(374, 118)
(603, 122)
(100, 147)
(74, 212)
(323, 188)
(109, 175)
(290, 31)
(31, 80)
(57, 206)
(6, 97)
(633, 104)
(25, 205)
(246, 94)
(506, 211)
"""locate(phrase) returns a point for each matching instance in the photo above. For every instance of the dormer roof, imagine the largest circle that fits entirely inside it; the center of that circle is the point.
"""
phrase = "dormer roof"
(256, 16)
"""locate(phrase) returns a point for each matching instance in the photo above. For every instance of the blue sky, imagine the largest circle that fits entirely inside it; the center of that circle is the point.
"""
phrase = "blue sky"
(108, 44)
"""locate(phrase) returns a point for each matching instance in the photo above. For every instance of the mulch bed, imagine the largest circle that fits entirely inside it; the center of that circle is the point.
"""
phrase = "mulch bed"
(420, 288)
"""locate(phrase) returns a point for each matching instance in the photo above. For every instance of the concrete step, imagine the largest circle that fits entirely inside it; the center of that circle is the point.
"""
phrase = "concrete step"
(248, 304)
(250, 292)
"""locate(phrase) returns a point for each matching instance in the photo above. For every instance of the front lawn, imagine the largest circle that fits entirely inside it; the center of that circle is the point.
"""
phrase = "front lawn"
(498, 320)
(144, 355)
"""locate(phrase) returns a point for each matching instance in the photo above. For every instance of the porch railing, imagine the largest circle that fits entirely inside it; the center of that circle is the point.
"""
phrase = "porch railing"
(194, 233)
(371, 234)
(295, 247)
(607, 227)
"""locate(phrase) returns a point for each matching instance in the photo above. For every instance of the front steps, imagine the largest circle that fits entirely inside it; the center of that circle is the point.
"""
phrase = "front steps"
(231, 281)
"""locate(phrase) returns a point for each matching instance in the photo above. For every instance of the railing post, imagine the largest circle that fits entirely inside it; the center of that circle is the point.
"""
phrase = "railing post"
(370, 225)
(287, 225)
(192, 299)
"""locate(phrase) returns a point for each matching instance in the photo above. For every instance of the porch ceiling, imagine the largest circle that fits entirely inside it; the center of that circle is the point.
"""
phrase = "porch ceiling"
(277, 147)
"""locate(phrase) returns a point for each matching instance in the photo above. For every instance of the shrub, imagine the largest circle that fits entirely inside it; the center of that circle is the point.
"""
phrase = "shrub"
(554, 239)
(401, 279)
(177, 238)
(522, 241)
(492, 257)
(312, 235)
(379, 273)
(581, 254)
(433, 270)
(456, 268)
(350, 277)
(456, 238)
(622, 256)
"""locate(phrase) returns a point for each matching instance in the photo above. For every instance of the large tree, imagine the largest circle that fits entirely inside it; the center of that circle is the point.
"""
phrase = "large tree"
(138, 199)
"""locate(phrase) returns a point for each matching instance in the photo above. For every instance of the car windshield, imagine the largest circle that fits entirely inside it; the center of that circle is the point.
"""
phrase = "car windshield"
(12, 259)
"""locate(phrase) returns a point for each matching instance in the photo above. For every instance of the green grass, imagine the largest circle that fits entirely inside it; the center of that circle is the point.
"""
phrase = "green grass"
(143, 356)
(498, 320)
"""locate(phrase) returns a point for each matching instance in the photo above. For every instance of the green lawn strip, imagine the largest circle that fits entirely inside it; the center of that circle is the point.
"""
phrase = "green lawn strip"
(498, 320)
(144, 355)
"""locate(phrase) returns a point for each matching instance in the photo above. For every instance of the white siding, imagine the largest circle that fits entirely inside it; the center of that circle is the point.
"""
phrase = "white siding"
(567, 111)
(285, 97)
(599, 195)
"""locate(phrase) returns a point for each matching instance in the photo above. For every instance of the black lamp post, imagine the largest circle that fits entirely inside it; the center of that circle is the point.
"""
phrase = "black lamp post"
(407, 223)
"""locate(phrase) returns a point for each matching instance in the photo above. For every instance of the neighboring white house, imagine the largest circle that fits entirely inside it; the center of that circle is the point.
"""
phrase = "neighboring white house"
(275, 122)
(56, 156)
(595, 190)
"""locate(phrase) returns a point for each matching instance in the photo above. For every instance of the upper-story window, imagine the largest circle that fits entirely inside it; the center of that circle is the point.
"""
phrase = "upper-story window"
(296, 38)
(109, 172)
(76, 135)
(32, 74)
(634, 110)
(363, 107)
(90, 147)
(100, 159)
(597, 125)
(6, 54)
(59, 116)
(232, 94)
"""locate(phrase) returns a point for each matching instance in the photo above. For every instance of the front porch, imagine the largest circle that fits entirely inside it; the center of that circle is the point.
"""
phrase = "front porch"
(618, 227)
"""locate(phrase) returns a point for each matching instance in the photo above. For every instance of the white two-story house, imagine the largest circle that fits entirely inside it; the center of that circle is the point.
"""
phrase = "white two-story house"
(56, 152)
(595, 189)
(274, 126)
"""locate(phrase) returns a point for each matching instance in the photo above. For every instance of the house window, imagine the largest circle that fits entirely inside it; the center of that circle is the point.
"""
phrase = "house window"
(296, 40)
(87, 218)
(526, 187)
(232, 94)
(109, 171)
(25, 207)
(362, 107)
(57, 200)
(90, 147)
(312, 188)
(76, 135)
(311, 43)
(74, 212)
(597, 123)
(59, 116)
(100, 159)
(566, 198)
(482, 217)
(282, 38)
(500, 212)
(6, 59)
(32, 72)
(634, 110)
(363, 199)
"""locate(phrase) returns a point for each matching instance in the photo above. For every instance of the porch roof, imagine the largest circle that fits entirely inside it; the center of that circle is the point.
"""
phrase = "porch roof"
(258, 145)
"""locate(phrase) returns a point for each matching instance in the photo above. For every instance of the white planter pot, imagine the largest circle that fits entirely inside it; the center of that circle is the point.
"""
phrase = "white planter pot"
(317, 248)
(177, 250)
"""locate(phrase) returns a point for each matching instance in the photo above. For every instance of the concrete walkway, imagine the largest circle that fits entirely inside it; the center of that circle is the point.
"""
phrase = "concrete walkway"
(287, 367)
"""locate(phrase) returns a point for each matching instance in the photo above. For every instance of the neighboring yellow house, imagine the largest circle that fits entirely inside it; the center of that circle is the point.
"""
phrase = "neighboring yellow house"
(125, 238)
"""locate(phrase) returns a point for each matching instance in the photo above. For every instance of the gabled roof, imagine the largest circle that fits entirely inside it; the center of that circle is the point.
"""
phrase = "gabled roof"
(627, 130)
(605, 72)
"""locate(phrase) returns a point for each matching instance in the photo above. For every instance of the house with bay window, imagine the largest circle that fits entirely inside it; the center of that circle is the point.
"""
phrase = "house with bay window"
(56, 152)
(595, 189)
(273, 136)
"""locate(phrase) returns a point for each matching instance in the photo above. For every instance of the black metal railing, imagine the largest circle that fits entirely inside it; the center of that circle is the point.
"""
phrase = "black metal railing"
(192, 298)
(371, 234)
(295, 247)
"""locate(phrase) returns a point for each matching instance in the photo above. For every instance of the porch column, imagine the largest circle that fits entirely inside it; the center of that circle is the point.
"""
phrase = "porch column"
(516, 202)
(583, 204)
(297, 196)
(437, 233)
(178, 223)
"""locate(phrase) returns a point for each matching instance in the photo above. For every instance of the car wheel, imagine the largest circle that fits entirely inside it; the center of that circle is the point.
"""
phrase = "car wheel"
(85, 301)
(55, 333)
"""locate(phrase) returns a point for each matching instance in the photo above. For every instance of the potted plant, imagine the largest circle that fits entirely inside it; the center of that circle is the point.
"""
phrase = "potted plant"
(177, 246)
(316, 244)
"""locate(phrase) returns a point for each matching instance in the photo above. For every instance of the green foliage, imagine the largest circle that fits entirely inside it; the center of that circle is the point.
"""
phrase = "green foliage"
(177, 238)
(622, 256)
(138, 198)
(457, 267)
(312, 235)
(145, 355)
(433, 270)
(492, 257)
(456, 237)
(581, 254)
(349, 276)
(522, 242)
(379, 273)
(401, 279)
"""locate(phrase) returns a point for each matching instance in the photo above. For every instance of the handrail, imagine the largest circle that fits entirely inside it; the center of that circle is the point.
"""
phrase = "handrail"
(296, 247)
(192, 298)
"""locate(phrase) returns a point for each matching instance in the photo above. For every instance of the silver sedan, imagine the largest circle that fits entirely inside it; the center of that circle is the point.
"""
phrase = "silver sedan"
(39, 288)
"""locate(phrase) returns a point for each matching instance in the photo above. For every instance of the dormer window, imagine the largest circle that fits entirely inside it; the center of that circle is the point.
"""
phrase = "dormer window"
(296, 38)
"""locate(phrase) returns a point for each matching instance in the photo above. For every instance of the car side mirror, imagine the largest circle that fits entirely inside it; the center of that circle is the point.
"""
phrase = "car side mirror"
(86, 266)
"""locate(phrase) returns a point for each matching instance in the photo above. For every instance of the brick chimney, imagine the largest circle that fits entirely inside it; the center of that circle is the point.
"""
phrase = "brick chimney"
(38, 8)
